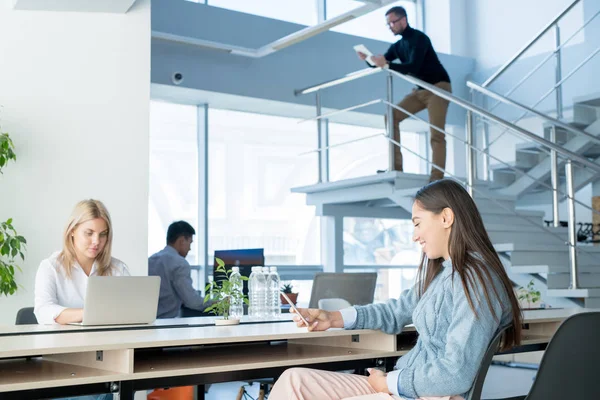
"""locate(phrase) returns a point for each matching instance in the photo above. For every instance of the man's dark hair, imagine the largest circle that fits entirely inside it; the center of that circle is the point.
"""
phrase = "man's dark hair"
(398, 10)
(177, 229)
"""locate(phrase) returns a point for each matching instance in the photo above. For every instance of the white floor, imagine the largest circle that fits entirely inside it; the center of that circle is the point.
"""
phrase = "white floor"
(501, 382)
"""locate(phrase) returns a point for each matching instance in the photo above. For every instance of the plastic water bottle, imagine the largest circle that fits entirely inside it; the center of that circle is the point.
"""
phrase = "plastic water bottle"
(257, 287)
(274, 302)
(236, 308)
(266, 314)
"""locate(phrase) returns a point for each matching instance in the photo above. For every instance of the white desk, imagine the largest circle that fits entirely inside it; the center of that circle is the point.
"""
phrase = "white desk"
(68, 356)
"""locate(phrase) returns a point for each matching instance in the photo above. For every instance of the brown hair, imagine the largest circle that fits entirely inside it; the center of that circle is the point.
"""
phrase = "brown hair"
(84, 211)
(471, 251)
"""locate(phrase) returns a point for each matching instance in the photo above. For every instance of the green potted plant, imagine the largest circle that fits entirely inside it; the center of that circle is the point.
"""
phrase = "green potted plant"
(11, 244)
(288, 289)
(222, 294)
(529, 295)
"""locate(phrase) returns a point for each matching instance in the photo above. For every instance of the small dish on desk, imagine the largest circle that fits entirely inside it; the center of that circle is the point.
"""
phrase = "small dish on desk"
(224, 322)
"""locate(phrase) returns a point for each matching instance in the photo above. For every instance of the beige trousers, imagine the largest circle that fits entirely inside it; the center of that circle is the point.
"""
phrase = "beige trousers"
(437, 108)
(314, 384)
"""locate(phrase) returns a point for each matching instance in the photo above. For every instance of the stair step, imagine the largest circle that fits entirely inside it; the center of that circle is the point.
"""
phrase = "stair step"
(584, 292)
(562, 281)
(592, 99)
(529, 228)
(510, 246)
(513, 220)
(562, 135)
(531, 237)
(495, 206)
(530, 147)
(532, 254)
(508, 167)
(502, 177)
(553, 268)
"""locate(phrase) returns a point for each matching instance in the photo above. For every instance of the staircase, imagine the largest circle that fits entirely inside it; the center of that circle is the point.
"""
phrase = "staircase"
(530, 158)
(528, 249)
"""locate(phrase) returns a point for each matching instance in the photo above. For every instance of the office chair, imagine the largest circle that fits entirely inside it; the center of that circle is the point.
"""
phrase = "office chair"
(333, 304)
(25, 316)
(475, 392)
(568, 367)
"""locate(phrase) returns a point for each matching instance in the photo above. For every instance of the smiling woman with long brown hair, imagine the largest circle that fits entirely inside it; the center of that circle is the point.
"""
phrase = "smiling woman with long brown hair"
(461, 299)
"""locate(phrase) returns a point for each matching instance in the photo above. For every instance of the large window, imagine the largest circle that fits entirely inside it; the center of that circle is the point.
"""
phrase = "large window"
(253, 164)
(173, 172)
(371, 25)
(387, 245)
(254, 161)
(299, 11)
(365, 157)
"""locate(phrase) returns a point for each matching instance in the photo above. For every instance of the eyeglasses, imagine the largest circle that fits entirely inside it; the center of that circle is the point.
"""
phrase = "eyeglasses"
(391, 23)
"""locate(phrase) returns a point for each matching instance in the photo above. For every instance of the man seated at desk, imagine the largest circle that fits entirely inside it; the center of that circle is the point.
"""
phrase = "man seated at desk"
(175, 280)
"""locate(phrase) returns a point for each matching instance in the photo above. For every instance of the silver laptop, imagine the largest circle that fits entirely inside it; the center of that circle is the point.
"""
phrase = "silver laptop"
(120, 300)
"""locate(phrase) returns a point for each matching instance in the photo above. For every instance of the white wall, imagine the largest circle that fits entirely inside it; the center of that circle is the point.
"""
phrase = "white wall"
(446, 26)
(437, 24)
(496, 30)
(75, 91)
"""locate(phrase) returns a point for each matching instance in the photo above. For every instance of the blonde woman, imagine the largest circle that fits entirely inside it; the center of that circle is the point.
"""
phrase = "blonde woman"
(61, 280)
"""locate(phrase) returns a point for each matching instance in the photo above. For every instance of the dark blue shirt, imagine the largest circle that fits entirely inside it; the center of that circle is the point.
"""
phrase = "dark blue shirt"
(418, 57)
(175, 283)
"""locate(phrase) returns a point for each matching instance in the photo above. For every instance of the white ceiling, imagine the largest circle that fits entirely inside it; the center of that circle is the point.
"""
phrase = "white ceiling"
(106, 6)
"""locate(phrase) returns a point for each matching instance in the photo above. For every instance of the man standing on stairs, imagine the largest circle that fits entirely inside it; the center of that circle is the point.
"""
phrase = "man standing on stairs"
(420, 60)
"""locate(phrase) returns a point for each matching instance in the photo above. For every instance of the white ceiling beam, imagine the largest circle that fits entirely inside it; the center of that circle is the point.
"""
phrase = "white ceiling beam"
(278, 44)
(104, 6)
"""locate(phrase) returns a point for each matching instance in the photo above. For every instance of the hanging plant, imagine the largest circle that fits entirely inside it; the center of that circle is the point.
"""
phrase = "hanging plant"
(12, 245)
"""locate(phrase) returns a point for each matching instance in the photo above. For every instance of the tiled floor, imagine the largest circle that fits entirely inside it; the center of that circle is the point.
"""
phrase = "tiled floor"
(495, 386)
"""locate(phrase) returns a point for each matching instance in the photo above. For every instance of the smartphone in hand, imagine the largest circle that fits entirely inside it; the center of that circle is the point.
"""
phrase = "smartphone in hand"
(295, 309)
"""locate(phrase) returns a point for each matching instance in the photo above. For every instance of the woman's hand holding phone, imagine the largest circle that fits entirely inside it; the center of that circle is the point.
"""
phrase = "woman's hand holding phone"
(318, 320)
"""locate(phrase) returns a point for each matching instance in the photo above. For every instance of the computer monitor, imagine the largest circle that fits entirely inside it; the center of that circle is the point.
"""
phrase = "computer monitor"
(357, 288)
(245, 259)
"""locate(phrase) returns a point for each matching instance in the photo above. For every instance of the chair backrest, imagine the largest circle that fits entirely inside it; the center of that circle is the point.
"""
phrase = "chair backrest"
(357, 288)
(25, 316)
(568, 368)
(475, 392)
(333, 304)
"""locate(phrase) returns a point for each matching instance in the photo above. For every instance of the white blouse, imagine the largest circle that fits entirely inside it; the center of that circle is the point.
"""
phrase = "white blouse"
(55, 292)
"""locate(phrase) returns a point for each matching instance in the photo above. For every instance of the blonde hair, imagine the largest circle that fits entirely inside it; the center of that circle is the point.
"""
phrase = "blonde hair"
(84, 211)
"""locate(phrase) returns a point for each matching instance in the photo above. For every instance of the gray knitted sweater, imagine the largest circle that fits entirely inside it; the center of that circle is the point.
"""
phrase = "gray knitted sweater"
(452, 340)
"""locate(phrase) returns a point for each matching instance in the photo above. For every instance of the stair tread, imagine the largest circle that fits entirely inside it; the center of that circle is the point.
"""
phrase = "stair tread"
(539, 247)
(531, 228)
(506, 166)
(583, 292)
(592, 99)
(554, 269)
(570, 121)
(519, 213)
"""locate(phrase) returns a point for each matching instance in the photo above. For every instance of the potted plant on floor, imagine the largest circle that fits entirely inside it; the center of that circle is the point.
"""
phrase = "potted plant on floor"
(529, 295)
(11, 244)
(223, 294)
(288, 289)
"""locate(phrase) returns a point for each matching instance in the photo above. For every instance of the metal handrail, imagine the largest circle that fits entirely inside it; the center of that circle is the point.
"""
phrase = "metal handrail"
(547, 58)
(444, 132)
(480, 111)
(549, 92)
(351, 108)
(460, 102)
(338, 81)
(523, 107)
(482, 151)
(519, 53)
